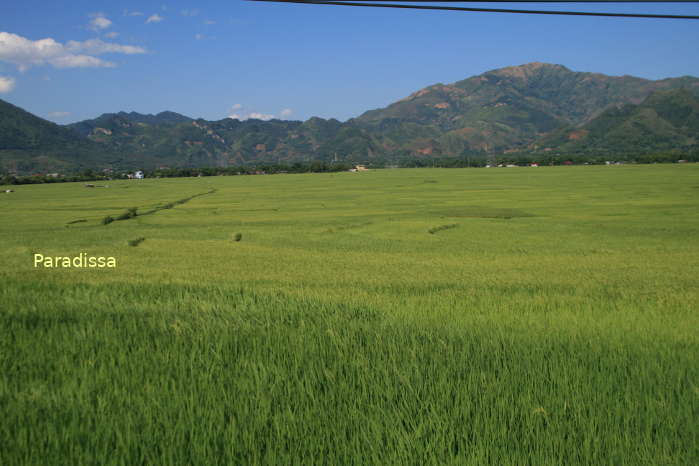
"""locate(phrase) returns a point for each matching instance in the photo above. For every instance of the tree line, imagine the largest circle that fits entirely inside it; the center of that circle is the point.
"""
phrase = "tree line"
(319, 166)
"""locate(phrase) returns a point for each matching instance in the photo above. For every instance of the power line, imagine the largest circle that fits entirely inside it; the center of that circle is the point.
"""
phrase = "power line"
(524, 1)
(492, 10)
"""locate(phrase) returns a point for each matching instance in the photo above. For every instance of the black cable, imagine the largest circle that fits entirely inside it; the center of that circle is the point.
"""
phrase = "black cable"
(530, 1)
(484, 10)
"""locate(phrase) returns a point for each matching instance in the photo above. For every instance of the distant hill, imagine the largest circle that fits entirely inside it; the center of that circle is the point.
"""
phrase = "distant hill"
(113, 121)
(195, 143)
(515, 109)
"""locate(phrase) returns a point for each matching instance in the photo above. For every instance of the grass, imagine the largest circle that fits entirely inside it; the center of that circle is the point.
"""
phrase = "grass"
(564, 336)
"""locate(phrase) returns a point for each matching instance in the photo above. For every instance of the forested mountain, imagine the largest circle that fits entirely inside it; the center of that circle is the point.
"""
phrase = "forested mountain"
(505, 109)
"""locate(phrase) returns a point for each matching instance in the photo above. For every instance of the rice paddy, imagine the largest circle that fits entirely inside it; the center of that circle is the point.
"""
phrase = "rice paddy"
(410, 316)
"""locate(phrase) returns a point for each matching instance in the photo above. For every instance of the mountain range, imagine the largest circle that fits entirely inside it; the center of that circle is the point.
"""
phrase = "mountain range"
(536, 107)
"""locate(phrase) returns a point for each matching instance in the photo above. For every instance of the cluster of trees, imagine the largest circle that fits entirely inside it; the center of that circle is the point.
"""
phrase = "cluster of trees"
(315, 166)
(556, 158)
(86, 175)
(542, 158)
(91, 175)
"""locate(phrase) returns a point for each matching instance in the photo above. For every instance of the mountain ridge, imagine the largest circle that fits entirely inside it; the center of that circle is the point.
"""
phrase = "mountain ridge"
(512, 109)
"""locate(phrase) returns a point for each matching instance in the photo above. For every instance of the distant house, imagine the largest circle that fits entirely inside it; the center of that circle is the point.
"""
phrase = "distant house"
(534, 164)
(361, 168)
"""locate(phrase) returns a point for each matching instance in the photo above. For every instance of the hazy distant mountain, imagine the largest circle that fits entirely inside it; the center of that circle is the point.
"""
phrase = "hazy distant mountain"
(194, 143)
(518, 108)
(116, 120)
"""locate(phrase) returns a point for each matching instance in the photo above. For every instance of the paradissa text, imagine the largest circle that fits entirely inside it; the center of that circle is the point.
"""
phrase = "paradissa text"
(80, 261)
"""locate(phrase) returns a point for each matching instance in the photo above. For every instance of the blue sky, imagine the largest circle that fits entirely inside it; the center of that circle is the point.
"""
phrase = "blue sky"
(215, 59)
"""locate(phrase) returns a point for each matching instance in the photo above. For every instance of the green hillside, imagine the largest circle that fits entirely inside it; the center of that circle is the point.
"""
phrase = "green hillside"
(666, 120)
(29, 143)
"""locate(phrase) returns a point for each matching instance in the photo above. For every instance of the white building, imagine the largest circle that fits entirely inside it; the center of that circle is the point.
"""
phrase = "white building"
(138, 175)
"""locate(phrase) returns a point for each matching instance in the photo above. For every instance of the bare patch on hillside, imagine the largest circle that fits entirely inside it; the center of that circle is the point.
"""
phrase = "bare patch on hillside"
(578, 134)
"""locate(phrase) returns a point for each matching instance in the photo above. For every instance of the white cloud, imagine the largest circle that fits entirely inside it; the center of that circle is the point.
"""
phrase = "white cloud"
(25, 53)
(193, 12)
(98, 47)
(99, 22)
(209, 21)
(58, 114)
(7, 84)
(156, 18)
(198, 36)
(80, 61)
(132, 13)
(260, 116)
(111, 35)
(236, 113)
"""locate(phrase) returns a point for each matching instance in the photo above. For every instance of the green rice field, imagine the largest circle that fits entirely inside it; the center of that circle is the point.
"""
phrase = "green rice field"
(516, 316)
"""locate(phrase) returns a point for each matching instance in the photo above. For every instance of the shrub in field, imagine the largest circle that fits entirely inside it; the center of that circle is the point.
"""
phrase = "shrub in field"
(237, 237)
(485, 212)
(130, 213)
(136, 242)
(434, 230)
(107, 220)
